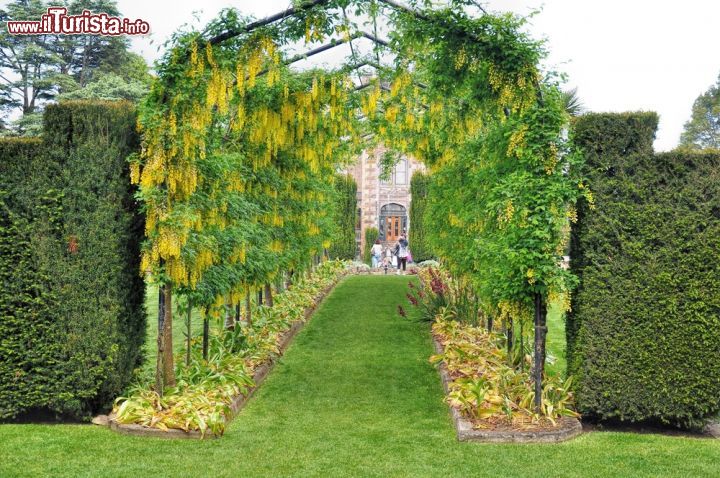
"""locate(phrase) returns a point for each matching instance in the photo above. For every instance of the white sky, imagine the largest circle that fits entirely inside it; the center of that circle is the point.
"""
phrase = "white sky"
(622, 55)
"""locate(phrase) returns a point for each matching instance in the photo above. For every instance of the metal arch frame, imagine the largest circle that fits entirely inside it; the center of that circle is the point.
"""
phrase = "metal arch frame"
(334, 43)
(291, 12)
(391, 3)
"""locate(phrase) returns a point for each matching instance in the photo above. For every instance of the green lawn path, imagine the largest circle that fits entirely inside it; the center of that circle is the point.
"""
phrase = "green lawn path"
(354, 396)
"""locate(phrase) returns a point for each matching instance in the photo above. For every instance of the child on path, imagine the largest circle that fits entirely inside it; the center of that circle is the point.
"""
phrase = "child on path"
(376, 253)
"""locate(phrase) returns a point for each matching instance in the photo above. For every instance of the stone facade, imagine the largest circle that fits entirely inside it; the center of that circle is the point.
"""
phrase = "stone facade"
(384, 204)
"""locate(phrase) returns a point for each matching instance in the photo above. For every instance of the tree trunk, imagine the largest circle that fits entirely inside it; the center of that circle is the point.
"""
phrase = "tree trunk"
(510, 339)
(206, 336)
(268, 295)
(248, 308)
(168, 362)
(540, 333)
(188, 326)
(237, 312)
(229, 316)
(260, 297)
(159, 382)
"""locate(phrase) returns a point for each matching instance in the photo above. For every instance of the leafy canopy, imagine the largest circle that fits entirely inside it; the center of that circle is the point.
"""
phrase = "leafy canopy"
(240, 149)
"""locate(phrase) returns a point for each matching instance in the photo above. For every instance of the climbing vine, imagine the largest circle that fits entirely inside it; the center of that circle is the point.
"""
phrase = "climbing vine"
(240, 150)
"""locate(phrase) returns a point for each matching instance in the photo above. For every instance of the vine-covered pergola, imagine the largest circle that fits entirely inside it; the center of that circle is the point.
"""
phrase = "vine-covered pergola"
(240, 148)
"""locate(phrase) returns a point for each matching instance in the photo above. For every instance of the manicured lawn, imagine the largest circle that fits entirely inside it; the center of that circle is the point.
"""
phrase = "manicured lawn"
(353, 396)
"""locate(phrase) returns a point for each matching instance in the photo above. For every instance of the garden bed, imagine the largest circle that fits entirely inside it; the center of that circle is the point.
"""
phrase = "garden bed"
(488, 431)
(260, 372)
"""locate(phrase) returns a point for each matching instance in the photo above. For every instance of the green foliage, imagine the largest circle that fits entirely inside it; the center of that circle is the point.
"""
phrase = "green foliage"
(355, 380)
(418, 242)
(109, 87)
(645, 320)
(344, 245)
(371, 235)
(498, 210)
(43, 66)
(230, 116)
(73, 320)
(485, 385)
(703, 129)
(27, 56)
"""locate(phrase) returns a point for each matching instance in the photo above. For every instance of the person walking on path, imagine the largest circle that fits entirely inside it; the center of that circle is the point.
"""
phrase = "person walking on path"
(402, 251)
(376, 253)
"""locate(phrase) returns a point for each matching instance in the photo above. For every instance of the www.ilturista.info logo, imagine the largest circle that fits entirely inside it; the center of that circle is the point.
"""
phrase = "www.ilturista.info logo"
(57, 21)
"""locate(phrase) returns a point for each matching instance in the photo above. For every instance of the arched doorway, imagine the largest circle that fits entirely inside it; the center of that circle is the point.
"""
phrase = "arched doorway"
(393, 222)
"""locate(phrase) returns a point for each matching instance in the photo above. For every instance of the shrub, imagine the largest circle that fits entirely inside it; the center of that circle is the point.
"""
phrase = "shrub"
(344, 245)
(485, 387)
(73, 321)
(644, 332)
(371, 235)
(418, 243)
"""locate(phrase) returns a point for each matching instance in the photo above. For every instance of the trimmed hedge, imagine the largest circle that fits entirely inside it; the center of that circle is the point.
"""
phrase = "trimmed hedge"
(644, 332)
(418, 193)
(371, 235)
(72, 319)
(344, 245)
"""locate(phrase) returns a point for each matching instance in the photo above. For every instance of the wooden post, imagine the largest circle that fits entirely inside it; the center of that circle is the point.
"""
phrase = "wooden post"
(540, 332)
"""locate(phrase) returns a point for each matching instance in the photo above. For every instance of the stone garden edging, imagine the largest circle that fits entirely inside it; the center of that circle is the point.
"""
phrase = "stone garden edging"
(570, 427)
(259, 375)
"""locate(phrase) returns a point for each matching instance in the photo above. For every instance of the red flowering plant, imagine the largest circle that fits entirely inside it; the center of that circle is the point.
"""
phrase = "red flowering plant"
(433, 293)
(439, 292)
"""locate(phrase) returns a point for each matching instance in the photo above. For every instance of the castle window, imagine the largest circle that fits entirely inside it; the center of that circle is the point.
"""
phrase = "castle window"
(398, 175)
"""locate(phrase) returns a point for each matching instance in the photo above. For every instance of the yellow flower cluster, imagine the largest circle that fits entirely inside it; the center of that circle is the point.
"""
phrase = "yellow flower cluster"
(530, 274)
(461, 59)
(517, 141)
(507, 214)
(513, 311)
(455, 221)
(370, 102)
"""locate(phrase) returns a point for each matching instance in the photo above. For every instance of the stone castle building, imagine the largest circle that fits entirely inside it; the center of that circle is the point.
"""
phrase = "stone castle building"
(382, 203)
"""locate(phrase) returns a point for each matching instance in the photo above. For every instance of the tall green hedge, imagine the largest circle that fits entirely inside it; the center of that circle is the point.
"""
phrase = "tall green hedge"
(418, 193)
(644, 332)
(72, 320)
(371, 235)
(344, 245)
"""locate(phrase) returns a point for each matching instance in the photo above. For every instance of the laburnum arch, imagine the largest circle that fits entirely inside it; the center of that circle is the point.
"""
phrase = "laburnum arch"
(240, 149)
